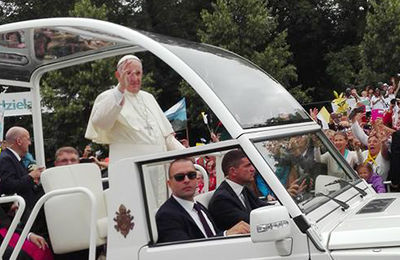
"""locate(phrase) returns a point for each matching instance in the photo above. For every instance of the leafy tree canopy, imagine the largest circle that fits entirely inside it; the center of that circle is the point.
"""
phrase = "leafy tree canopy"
(380, 47)
(247, 27)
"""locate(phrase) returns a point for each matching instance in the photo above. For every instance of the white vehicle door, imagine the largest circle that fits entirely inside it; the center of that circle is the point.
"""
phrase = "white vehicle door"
(227, 248)
(296, 246)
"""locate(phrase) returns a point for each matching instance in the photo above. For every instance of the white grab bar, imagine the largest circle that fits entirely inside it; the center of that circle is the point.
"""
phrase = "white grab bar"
(15, 221)
(43, 199)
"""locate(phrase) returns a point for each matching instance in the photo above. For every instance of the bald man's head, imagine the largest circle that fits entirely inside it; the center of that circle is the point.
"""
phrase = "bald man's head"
(13, 133)
(18, 139)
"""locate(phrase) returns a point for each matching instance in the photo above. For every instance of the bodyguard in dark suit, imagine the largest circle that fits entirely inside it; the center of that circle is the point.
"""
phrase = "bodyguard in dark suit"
(180, 217)
(175, 224)
(233, 201)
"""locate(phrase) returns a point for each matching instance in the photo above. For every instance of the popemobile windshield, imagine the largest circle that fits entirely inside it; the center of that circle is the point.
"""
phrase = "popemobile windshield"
(333, 218)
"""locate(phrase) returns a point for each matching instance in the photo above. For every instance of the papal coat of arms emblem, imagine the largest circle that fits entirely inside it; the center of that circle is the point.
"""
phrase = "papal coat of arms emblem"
(124, 220)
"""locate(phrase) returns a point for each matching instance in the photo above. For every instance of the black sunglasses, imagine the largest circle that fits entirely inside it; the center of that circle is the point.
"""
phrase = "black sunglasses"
(181, 176)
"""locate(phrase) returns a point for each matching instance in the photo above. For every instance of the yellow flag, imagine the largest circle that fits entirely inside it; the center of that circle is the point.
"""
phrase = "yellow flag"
(325, 114)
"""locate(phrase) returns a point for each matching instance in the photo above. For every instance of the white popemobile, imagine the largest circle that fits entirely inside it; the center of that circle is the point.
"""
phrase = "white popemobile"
(331, 219)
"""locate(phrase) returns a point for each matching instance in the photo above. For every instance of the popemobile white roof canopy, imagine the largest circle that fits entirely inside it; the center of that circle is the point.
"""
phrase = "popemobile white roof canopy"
(222, 79)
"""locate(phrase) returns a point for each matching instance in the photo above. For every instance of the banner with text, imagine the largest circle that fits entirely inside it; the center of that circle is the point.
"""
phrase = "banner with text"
(16, 104)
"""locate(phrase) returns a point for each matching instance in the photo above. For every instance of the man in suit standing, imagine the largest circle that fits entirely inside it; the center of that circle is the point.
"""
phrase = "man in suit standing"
(233, 201)
(14, 177)
(180, 217)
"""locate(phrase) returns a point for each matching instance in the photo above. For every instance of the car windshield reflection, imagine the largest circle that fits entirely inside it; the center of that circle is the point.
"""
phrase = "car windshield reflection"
(296, 161)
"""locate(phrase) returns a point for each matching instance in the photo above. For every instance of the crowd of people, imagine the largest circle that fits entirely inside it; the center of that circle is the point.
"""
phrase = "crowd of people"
(363, 128)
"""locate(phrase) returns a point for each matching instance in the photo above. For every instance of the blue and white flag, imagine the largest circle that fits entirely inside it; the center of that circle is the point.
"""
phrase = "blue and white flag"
(177, 115)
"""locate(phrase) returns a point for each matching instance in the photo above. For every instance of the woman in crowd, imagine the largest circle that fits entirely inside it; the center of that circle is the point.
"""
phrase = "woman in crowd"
(340, 141)
(377, 153)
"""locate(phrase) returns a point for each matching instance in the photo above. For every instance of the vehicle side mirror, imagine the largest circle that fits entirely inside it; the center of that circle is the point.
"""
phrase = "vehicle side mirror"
(269, 223)
(323, 184)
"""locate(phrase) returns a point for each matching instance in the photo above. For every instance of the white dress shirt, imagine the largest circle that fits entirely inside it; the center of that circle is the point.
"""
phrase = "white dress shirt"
(237, 188)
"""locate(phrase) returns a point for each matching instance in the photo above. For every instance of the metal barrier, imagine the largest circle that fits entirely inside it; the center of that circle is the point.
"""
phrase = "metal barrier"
(15, 221)
(39, 204)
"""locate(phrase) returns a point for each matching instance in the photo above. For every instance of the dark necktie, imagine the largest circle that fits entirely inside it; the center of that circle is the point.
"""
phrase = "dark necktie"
(203, 221)
(246, 198)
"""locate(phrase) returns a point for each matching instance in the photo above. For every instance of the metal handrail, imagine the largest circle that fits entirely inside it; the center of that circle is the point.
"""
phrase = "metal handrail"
(43, 199)
(15, 221)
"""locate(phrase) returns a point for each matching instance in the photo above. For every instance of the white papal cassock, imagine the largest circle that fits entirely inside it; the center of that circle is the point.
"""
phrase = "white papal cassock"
(136, 128)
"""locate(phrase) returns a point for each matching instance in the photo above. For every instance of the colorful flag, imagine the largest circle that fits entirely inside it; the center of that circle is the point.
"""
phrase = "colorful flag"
(177, 115)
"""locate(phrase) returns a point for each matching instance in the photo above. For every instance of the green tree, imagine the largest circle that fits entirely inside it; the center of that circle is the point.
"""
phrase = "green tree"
(247, 27)
(344, 67)
(380, 48)
(317, 28)
(19, 10)
(85, 8)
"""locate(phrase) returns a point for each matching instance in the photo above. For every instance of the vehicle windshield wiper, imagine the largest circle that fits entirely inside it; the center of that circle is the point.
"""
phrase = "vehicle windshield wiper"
(361, 191)
(343, 204)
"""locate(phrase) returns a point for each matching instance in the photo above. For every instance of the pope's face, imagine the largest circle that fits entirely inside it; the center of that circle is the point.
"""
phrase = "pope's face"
(130, 74)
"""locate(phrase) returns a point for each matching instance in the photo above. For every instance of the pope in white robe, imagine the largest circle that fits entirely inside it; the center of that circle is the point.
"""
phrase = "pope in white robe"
(130, 120)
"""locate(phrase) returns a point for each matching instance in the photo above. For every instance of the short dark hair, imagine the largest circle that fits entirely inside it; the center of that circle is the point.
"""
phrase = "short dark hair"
(232, 159)
(183, 159)
(16, 34)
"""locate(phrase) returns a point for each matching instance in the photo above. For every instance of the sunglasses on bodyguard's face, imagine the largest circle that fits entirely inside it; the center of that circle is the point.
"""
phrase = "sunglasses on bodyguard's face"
(181, 176)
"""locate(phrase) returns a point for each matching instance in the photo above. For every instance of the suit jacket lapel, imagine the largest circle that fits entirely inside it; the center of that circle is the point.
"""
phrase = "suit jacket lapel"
(184, 212)
(20, 169)
(251, 198)
(232, 193)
